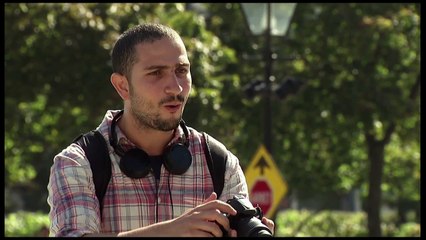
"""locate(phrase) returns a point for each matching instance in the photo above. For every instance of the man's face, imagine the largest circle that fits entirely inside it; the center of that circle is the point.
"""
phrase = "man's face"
(160, 84)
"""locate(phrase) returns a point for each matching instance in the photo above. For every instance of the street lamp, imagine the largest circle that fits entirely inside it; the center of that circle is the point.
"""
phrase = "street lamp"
(269, 19)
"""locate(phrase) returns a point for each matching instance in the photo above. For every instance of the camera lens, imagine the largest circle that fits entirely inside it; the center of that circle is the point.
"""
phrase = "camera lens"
(262, 233)
(250, 227)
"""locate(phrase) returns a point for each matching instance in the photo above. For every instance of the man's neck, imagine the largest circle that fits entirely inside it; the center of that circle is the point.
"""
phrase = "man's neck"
(150, 140)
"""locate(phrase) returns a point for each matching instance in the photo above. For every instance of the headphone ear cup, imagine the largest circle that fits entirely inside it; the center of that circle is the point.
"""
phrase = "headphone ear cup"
(177, 159)
(135, 163)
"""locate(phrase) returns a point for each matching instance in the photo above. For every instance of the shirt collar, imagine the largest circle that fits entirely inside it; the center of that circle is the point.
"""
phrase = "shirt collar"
(126, 144)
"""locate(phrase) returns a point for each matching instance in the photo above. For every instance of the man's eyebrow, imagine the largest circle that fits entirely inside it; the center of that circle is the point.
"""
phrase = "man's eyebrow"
(182, 65)
(156, 67)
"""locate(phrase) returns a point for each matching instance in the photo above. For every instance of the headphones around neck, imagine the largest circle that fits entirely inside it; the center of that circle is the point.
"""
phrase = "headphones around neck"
(136, 163)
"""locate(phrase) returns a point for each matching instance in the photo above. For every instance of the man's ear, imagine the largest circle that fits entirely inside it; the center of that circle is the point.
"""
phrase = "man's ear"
(121, 85)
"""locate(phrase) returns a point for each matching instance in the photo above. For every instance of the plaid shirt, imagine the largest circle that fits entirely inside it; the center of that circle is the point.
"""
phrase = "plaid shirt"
(130, 203)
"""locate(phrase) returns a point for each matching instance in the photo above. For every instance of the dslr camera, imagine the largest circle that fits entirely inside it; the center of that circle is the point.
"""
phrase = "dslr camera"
(247, 221)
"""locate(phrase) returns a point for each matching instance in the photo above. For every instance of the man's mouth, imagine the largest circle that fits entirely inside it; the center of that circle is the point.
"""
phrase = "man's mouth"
(173, 107)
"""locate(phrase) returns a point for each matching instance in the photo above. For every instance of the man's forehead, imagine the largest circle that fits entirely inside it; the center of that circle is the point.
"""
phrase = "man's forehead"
(158, 51)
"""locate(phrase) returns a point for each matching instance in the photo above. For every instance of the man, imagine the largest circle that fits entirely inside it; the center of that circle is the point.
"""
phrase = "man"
(151, 73)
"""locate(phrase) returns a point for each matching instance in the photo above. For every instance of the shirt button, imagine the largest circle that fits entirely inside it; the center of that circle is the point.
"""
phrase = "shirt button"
(159, 200)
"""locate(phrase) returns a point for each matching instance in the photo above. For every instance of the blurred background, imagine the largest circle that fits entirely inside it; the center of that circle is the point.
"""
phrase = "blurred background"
(335, 98)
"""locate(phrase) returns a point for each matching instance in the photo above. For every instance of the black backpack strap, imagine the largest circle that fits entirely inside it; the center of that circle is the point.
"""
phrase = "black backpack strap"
(216, 155)
(96, 149)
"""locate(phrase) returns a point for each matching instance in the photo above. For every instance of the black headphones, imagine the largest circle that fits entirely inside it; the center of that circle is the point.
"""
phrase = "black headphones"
(135, 163)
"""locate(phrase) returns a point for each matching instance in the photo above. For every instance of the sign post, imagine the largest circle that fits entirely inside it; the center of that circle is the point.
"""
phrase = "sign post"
(266, 185)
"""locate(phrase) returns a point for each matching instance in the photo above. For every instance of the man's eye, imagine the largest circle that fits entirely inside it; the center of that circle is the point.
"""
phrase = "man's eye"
(155, 73)
(182, 70)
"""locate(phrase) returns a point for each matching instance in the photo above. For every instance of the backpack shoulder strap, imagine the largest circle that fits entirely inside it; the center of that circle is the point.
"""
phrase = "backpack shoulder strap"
(96, 149)
(216, 155)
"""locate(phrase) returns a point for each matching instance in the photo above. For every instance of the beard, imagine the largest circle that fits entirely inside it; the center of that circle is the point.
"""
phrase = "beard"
(144, 113)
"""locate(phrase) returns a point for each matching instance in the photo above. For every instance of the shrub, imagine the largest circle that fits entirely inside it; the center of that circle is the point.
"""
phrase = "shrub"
(304, 223)
(408, 229)
(26, 224)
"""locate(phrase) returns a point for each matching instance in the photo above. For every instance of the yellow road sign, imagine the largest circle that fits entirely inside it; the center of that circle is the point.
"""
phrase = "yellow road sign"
(265, 183)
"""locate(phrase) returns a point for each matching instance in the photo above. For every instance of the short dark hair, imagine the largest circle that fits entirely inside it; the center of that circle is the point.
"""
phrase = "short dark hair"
(123, 54)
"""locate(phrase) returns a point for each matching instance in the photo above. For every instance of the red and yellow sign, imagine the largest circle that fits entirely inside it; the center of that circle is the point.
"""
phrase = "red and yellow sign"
(266, 185)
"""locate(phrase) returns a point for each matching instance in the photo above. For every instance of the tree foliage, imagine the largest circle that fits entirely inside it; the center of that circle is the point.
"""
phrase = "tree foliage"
(57, 76)
(360, 64)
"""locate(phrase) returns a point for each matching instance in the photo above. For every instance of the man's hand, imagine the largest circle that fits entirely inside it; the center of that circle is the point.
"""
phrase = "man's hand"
(203, 220)
(269, 223)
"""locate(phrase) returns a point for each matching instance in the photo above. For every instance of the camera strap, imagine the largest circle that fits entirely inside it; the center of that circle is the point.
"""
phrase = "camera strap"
(216, 155)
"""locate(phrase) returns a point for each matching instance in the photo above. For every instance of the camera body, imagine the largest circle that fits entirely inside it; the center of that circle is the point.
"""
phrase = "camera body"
(247, 221)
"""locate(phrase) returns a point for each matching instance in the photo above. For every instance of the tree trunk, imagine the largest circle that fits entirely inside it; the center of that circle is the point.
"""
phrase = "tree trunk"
(376, 149)
(376, 159)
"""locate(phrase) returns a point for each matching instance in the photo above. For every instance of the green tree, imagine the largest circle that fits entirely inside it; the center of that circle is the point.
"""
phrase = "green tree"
(362, 89)
(360, 64)
(354, 124)
(57, 79)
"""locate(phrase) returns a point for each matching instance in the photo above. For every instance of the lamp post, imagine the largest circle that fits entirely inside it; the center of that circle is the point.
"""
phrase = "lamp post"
(269, 19)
